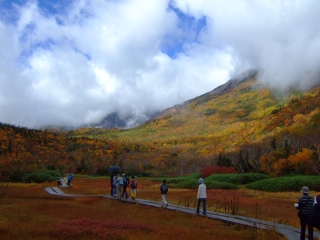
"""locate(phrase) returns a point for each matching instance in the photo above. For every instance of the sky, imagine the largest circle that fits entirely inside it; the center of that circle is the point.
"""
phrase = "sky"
(71, 63)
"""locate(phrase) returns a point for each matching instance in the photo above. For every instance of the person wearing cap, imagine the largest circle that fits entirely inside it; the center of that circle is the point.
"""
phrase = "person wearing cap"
(304, 206)
(125, 185)
(202, 197)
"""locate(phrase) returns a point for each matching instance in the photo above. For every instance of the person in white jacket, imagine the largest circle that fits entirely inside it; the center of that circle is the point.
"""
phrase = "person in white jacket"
(202, 196)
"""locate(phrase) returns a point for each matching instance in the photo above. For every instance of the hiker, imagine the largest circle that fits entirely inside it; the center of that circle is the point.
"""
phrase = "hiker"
(114, 183)
(119, 185)
(314, 215)
(164, 190)
(202, 197)
(133, 190)
(304, 206)
(125, 185)
(70, 177)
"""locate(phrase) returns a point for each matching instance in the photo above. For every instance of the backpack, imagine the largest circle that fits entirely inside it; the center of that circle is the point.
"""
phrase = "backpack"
(134, 184)
(126, 182)
(164, 188)
(120, 182)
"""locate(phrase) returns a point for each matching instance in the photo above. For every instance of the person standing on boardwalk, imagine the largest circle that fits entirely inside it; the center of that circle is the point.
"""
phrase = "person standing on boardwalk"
(304, 206)
(133, 189)
(114, 182)
(125, 185)
(314, 215)
(119, 186)
(70, 177)
(164, 190)
(202, 197)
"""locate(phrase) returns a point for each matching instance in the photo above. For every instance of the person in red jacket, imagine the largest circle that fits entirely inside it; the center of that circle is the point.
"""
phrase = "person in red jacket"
(133, 188)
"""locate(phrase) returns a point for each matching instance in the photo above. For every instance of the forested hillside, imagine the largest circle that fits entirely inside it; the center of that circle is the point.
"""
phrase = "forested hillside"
(251, 128)
(23, 151)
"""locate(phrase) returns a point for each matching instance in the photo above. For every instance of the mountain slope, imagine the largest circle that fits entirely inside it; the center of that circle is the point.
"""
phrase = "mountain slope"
(239, 117)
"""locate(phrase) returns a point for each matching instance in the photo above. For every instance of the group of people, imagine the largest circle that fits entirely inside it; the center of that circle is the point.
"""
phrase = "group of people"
(119, 185)
(309, 213)
(65, 181)
(309, 207)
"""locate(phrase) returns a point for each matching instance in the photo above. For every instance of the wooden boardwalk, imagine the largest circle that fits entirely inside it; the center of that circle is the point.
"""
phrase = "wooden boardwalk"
(291, 233)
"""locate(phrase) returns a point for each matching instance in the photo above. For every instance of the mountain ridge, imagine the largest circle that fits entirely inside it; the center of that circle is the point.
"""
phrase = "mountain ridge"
(229, 85)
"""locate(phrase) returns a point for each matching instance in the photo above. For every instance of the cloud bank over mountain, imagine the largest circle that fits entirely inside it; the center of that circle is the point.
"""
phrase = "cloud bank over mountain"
(74, 62)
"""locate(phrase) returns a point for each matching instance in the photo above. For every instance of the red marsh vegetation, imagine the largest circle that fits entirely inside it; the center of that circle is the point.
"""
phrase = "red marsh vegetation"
(28, 212)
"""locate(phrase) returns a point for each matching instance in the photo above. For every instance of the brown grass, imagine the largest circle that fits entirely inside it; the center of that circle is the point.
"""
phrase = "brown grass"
(28, 212)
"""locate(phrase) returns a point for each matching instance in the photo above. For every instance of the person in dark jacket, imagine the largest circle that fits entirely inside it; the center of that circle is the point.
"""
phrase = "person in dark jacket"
(125, 185)
(314, 215)
(304, 206)
(164, 190)
(70, 177)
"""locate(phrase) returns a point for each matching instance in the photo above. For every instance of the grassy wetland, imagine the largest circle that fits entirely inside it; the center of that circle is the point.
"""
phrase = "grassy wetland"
(28, 212)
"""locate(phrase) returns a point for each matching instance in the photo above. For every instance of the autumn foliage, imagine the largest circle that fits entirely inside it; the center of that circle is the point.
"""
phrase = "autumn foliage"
(255, 130)
(207, 171)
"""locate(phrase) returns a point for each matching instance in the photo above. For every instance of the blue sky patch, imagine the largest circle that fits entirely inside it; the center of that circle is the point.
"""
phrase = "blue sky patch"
(189, 29)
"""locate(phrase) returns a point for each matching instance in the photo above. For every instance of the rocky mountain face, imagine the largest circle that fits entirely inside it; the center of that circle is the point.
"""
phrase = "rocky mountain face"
(114, 120)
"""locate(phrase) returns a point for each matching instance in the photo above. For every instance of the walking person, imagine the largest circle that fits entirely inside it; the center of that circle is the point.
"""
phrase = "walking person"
(119, 186)
(133, 189)
(125, 185)
(114, 183)
(164, 190)
(304, 206)
(202, 197)
(314, 215)
(70, 177)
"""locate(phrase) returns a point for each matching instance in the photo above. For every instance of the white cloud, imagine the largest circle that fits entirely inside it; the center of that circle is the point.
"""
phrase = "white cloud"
(91, 58)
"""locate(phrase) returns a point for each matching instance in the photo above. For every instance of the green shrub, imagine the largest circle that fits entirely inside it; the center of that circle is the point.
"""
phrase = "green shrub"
(190, 184)
(286, 184)
(40, 177)
(14, 176)
(220, 185)
(237, 179)
(191, 177)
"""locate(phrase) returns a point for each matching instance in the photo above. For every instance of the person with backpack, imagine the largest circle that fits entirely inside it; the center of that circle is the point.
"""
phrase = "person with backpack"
(314, 215)
(125, 185)
(134, 186)
(202, 196)
(119, 186)
(164, 190)
(304, 206)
